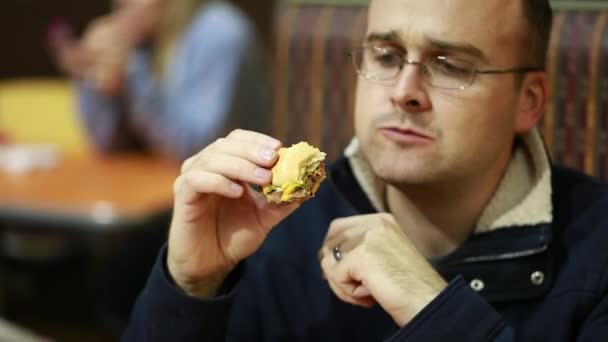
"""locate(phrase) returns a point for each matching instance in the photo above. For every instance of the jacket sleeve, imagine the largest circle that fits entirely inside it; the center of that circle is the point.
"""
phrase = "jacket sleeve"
(164, 313)
(457, 314)
(595, 326)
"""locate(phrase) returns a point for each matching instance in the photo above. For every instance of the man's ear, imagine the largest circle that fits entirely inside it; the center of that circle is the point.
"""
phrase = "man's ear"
(534, 93)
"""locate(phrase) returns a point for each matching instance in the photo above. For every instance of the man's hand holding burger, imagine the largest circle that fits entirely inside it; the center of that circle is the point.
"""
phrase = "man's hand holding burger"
(219, 219)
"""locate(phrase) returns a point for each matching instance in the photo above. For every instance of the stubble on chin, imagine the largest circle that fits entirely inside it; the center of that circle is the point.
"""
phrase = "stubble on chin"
(394, 166)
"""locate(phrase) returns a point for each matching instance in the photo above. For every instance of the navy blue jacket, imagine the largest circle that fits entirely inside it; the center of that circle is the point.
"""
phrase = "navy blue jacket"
(540, 283)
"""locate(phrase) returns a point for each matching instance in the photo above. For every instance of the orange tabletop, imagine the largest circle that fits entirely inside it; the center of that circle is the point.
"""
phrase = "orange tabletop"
(92, 192)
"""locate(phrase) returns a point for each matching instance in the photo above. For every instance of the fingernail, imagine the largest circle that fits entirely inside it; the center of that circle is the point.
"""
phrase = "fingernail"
(262, 174)
(267, 155)
(235, 188)
(273, 143)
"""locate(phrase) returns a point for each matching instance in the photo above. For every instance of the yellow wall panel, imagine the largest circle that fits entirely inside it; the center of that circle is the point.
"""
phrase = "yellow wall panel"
(41, 111)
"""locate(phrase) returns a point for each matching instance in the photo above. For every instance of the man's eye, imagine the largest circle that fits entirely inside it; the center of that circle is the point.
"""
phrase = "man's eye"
(450, 67)
(387, 59)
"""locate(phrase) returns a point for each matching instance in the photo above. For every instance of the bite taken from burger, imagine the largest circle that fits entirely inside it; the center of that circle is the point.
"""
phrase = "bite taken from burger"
(297, 174)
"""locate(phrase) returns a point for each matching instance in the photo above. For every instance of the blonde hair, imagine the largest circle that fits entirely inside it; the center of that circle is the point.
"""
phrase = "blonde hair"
(177, 16)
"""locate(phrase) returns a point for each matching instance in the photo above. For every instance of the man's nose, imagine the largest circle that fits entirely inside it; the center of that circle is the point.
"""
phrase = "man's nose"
(410, 90)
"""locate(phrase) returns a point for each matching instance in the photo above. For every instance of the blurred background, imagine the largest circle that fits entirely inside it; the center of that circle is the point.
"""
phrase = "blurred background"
(25, 23)
(101, 100)
(23, 30)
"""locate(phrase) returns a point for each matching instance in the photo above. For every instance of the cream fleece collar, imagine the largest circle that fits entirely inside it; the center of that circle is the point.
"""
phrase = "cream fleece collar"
(523, 196)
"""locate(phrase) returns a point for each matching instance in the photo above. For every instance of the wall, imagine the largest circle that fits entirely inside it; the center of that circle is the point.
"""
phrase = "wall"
(23, 25)
(577, 4)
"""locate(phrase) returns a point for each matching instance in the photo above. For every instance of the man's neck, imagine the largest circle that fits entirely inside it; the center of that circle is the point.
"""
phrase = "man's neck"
(438, 218)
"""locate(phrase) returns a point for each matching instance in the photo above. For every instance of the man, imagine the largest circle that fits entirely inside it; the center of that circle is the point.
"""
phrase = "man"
(446, 180)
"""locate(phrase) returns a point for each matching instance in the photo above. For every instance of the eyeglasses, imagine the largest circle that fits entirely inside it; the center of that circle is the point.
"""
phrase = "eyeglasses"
(383, 64)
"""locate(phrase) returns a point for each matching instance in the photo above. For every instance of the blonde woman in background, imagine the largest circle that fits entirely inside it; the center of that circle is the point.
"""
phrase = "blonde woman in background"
(167, 75)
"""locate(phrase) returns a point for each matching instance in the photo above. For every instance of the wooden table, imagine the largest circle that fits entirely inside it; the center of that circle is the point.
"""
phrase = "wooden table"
(81, 236)
(89, 193)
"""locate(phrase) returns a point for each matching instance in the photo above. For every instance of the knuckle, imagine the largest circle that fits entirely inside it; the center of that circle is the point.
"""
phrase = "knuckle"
(211, 146)
(369, 236)
(220, 141)
(336, 222)
(320, 254)
(218, 145)
(385, 216)
(387, 219)
(188, 178)
(361, 253)
(239, 168)
(177, 184)
(203, 161)
(187, 164)
(235, 132)
(325, 269)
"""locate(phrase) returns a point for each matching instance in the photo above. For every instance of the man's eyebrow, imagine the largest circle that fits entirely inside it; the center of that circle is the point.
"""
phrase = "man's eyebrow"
(465, 48)
(391, 36)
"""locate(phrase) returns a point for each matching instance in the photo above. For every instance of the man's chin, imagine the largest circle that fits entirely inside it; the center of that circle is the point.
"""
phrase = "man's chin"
(402, 172)
(407, 178)
(400, 166)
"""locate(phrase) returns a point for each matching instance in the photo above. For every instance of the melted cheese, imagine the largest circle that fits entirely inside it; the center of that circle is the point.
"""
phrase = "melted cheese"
(293, 165)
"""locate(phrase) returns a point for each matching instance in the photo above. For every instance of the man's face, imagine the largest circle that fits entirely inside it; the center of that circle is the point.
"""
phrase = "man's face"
(413, 133)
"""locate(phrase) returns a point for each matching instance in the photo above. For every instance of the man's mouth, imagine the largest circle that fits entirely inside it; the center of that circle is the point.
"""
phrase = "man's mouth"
(406, 135)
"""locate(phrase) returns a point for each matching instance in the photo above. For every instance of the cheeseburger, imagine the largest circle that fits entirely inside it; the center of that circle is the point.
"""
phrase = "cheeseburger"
(297, 174)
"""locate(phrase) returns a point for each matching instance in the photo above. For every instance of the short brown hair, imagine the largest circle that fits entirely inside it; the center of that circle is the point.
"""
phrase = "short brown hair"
(539, 17)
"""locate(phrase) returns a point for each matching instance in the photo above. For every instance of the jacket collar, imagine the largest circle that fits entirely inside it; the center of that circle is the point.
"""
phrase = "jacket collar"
(523, 197)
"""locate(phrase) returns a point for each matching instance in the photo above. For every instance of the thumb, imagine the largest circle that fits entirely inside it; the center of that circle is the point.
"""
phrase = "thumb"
(361, 292)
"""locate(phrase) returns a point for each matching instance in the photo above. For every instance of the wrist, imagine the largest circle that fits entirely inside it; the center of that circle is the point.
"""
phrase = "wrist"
(206, 288)
(201, 287)
(419, 300)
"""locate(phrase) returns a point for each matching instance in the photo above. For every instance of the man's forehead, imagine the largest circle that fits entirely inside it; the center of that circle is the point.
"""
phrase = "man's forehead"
(468, 17)
(497, 7)
(482, 23)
